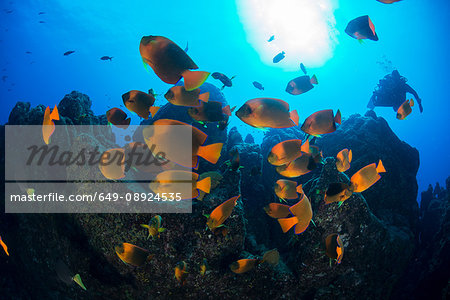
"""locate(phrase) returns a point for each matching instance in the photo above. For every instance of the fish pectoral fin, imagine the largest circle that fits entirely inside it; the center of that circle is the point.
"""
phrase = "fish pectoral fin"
(161, 229)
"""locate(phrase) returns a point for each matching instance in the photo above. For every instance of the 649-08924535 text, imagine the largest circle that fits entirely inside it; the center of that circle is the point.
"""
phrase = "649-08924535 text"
(102, 197)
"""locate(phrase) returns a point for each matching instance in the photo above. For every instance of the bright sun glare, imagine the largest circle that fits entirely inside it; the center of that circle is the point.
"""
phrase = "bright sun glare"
(303, 29)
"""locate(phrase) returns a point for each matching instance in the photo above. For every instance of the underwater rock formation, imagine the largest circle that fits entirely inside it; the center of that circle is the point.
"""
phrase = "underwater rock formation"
(393, 198)
(427, 275)
(379, 228)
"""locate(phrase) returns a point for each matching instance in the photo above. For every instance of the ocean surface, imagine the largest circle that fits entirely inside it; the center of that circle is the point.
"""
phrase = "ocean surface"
(231, 37)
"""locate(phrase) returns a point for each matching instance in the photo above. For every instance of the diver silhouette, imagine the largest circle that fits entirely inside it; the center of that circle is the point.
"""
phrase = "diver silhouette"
(391, 92)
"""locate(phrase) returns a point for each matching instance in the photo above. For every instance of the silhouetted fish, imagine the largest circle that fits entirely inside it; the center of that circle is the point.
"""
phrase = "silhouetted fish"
(68, 52)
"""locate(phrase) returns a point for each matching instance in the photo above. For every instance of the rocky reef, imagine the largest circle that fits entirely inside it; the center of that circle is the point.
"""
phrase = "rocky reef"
(390, 251)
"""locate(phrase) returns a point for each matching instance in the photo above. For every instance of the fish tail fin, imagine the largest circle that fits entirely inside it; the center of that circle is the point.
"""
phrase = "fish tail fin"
(313, 79)
(294, 117)
(226, 110)
(77, 279)
(305, 146)
(337, 117)
(204, 185)
(153, 110)
(287, 223)
(299, 189)
(194, 79)
(380, 167)
(54, 115)
(210, 152)
(204, 97)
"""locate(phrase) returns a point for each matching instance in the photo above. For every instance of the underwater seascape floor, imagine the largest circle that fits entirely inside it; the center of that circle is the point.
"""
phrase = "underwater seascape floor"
(170, 194)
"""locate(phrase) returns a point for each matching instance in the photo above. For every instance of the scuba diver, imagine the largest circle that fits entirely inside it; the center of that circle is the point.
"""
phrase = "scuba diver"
(391, 92)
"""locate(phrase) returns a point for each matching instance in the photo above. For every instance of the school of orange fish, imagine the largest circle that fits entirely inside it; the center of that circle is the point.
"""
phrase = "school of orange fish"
(291, 158)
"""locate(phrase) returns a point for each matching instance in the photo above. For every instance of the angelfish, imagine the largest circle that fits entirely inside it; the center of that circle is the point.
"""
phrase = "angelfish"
(154, 227)
(334, 247)
(362, 28)
(301, 84)
(170, 62)
(221, 213)
(405, 109)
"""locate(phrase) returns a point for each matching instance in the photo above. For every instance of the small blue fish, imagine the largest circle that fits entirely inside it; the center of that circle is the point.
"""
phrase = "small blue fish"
(271, 38)
(278, 57)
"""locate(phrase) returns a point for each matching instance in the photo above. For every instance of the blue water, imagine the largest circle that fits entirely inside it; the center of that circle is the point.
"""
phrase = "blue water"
(413, 35)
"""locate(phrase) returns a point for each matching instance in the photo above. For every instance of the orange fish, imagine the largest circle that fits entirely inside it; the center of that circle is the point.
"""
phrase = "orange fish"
(361, 28)
(337, 192)
(210, 112)
(171, 140)
(185, 183)
(286, 151)
(112, 163)
(321, 122)
(221, 213)
(271, 257)
(302, 215)
(360, 181)
(48, 126)
(277, 210)
(4, 246)
(287, 189)
(343, 160)
(118, 117)
(366, 177)
(300, 166)
(132, 255)
(141, 103)
(267, 112)
(177, 95)
(301, 84)
(170, 62)
(334, 247)
(405, 109)
(180, 272)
